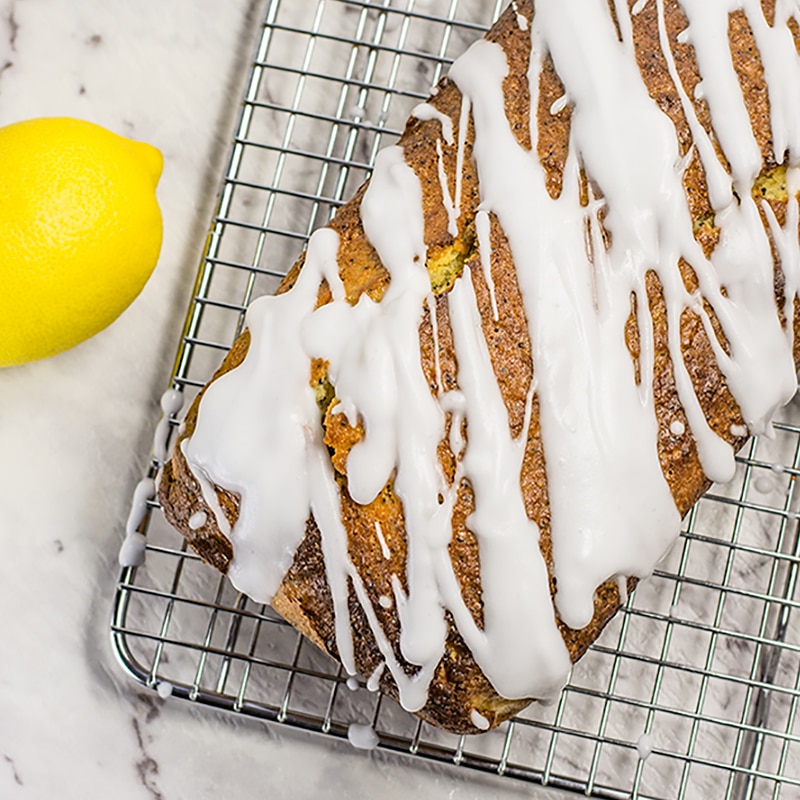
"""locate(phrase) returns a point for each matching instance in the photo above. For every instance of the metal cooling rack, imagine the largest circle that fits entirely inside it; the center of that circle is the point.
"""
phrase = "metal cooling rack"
(691, 692)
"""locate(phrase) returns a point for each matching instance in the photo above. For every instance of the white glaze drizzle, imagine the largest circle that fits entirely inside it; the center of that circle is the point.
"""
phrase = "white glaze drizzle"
(171, 403)
(145, 490)
(463, 123)
(622, 588)
(644, 746)
(387, 553)
(559, 105)
(781, 64)
(425, 111)
(447, 200)
(197, 520)
(483, 232)
(584, 408)
(280, 500)
(208, 493)
(164, 689)
(598, 423)
(764, 484)
(513, 573)
(522, 20)
(677, 428)
(478, 720)
(374, 680)
(430, 301)
(132, 549)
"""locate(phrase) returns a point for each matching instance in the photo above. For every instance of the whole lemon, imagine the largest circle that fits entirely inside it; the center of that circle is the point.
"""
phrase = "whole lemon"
(80, 232)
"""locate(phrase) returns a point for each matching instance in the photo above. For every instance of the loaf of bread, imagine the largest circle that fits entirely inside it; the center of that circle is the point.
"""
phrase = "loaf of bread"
(478, 407)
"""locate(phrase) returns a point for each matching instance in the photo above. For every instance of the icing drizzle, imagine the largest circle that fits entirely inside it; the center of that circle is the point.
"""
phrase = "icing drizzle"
(258, 432)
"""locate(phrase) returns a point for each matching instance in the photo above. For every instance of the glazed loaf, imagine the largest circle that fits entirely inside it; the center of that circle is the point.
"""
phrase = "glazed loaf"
(480, 403)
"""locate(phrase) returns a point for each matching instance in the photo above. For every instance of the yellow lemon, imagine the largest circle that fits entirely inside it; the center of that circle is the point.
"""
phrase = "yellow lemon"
(80, 232)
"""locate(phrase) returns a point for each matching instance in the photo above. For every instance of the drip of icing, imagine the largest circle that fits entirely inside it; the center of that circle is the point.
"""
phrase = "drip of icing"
(430, 302)
(164, 689)
(781, 63)
(708, 34)
(352, 683)
(275, 452)
(483, 231)
(258, 431)
(197, 520)
(208, 492)
(593, 410)
(764, 484)
(171, 403)
(384, 601)
(387, 553)
(644, 746)
(721, 195)
(419, 422)
(132, 550)
(374, 680)
(453, 402)
(425, 111)
(559, 105)
(673, 610)
(522, 20)
(513, 572)
(677, 428)
(622, 588)
(478, 720)
(699, 92)
(362, 737)
(449, 205)
(463, 122)
(145, 490)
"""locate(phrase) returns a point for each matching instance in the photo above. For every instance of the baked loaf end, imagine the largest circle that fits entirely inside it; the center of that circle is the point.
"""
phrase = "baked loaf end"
(459, 241)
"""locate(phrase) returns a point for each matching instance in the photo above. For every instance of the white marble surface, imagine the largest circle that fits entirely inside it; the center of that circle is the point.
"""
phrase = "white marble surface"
(74, 434)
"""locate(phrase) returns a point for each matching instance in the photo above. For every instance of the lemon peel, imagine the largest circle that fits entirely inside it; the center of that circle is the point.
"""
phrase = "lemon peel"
(80, 232)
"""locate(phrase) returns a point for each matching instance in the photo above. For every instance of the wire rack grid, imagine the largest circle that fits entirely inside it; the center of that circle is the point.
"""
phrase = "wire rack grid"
(691, 692)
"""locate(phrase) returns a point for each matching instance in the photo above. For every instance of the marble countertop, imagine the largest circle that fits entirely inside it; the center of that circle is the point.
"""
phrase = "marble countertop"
(75, 432)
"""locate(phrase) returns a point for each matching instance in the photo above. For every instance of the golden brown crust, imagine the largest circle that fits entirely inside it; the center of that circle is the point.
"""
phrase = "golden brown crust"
(304, 599)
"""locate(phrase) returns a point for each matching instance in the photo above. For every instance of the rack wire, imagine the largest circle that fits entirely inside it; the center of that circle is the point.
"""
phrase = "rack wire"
(691, 692)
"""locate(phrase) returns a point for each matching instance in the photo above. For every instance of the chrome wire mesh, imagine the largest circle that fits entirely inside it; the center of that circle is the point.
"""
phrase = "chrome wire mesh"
(691, 692)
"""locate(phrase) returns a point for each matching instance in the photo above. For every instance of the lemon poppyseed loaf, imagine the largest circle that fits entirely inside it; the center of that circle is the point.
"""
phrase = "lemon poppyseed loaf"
(480, 403)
